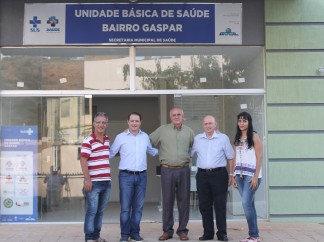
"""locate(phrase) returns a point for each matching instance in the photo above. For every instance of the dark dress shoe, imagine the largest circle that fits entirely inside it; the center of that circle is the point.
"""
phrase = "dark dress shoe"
(205, 237)
(223, 238)
(165, 236)
(183, 237)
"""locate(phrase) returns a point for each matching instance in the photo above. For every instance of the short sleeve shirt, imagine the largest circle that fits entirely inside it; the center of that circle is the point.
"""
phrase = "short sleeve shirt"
(97, 153)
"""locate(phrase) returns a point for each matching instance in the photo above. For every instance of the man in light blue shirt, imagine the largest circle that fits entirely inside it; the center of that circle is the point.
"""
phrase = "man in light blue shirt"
(213, 150)
(132, 144)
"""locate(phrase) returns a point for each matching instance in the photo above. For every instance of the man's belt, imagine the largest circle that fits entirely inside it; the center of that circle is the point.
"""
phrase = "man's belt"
(174, 167)
(212, 169)
(132, 172)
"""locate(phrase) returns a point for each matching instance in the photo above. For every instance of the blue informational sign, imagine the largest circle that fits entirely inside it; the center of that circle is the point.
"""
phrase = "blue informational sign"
(19, 190)
(140, 23)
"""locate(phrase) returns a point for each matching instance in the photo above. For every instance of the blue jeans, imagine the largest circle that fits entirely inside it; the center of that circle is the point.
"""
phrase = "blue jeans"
(97, 201)
(243, 185)
(132, 188)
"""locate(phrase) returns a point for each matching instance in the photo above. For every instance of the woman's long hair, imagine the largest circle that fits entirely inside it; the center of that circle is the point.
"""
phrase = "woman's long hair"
(246, 116)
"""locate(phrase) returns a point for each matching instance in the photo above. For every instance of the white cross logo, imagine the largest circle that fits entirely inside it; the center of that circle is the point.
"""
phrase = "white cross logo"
(29, 131)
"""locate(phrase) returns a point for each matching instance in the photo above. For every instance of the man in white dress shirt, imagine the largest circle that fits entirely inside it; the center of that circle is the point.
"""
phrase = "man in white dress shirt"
(213, 151)
(132, 144)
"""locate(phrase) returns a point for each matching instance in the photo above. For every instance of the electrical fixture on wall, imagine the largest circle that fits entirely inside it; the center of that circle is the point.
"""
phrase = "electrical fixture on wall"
(320, 71)
(133, 1)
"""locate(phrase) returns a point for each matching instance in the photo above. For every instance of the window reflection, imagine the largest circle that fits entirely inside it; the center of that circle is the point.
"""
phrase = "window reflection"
(64, 121)
(20, 72)
(225, 109)
(160, 68)
(106, 72)
(59, 72)
(63, 68)
(60, 136)
(62, 124)
(199, 68)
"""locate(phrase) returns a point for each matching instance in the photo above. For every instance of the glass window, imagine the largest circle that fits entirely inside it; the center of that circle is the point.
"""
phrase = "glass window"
(225, 109)
(199, 68)
(65, 110)
(61, 128)
(63, 122)
(64, 68)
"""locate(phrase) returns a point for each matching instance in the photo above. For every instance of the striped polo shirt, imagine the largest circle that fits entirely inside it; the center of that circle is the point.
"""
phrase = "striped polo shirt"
(97, 154)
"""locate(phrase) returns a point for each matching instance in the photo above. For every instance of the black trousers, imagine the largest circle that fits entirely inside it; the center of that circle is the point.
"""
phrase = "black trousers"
(212, 190)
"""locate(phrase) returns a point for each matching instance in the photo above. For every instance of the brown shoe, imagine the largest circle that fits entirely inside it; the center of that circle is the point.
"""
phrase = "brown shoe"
(183, 236)
(165, 236)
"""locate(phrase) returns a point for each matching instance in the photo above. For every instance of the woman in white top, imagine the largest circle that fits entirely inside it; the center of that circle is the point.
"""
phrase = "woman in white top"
(247, 171)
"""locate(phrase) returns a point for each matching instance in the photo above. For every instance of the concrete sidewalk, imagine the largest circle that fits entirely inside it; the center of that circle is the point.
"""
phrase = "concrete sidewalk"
(269, 231)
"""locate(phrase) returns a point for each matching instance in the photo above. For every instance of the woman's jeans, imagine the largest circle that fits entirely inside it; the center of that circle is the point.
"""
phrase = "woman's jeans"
(132, 188)
(243, 185)
(97, 201)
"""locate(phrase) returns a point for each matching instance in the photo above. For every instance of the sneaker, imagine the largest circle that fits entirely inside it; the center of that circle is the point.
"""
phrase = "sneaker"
(101, 240)
(123, 239)
(136, 238)
(250, 239)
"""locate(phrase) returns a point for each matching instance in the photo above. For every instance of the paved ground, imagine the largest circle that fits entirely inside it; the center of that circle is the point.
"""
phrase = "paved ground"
(269, 231)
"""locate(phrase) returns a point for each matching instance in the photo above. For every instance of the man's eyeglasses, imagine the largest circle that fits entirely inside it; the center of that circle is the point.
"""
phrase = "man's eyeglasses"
(101, 122)
(100, 114)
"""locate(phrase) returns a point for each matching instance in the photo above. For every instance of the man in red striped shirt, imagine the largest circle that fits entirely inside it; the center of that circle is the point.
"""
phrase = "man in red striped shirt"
(97, 180)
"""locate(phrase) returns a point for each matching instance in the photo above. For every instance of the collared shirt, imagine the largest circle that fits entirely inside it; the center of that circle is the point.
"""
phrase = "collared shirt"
(174, 144)
(132, 149)
(212, 152)
(97, 154)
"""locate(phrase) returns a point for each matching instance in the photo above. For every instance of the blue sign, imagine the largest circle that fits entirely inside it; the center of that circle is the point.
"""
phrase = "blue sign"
(19, 193)
(140, 23)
